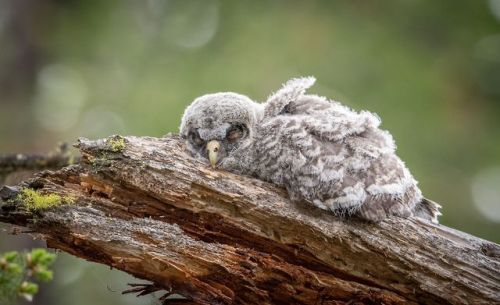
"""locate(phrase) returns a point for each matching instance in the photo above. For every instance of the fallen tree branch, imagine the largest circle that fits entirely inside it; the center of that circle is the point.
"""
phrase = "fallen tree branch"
(217, 238)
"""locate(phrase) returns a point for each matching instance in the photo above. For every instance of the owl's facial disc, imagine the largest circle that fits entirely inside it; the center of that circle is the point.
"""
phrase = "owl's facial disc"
(215, 144)
(227, 118)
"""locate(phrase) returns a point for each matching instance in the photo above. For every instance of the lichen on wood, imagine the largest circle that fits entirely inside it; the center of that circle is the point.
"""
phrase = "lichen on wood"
(116, 143)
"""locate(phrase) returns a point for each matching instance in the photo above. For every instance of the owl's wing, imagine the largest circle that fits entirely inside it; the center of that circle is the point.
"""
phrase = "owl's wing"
(328, 120)
(291, 91)
(326, 127)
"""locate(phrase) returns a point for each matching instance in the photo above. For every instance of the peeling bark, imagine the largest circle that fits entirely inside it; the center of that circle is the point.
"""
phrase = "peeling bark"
(219, 238)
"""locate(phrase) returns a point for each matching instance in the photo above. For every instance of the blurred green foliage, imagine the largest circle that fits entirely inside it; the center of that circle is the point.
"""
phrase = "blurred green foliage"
(430, 69)
(17, 270)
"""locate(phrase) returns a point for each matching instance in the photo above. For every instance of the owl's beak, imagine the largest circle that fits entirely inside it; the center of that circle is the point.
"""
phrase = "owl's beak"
(213, 150)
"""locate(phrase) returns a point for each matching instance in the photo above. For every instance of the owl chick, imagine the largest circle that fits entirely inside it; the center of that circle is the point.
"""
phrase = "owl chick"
(319, 150)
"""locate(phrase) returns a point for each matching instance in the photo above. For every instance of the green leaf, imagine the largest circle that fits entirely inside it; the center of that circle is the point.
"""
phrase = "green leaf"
(43, 275)
(10, 256)
(28, 288)
(42, 257)
(14, 269)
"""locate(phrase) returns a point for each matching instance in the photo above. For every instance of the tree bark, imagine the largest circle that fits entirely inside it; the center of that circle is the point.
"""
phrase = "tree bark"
(217, 238)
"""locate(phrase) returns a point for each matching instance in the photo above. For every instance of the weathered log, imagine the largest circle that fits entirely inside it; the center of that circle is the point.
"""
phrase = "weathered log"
(148, 209)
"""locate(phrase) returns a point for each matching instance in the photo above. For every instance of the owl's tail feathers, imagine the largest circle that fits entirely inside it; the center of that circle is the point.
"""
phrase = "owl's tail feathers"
(427, 209)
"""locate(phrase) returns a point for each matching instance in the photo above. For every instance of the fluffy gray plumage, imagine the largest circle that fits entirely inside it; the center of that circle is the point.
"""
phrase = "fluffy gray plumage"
(319, 150)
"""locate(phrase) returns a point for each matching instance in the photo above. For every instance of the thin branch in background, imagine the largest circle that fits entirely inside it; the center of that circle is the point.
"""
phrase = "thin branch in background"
(11, 163)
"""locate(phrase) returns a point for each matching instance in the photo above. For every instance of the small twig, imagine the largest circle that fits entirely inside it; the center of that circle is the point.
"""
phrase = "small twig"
(145, 289)
(142, 289)
(11, 163)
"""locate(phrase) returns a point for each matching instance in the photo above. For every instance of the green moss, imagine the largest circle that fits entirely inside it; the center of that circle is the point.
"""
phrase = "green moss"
(116, 144)
(34, 200)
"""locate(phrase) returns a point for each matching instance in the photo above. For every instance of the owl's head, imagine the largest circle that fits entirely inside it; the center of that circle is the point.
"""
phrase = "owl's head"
(216, 125)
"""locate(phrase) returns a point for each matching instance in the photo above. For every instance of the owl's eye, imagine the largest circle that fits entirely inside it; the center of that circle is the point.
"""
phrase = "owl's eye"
(235, 133)
(194, 138)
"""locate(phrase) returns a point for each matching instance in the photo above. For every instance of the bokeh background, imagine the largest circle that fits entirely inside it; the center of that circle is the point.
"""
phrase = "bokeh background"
(430, 69)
